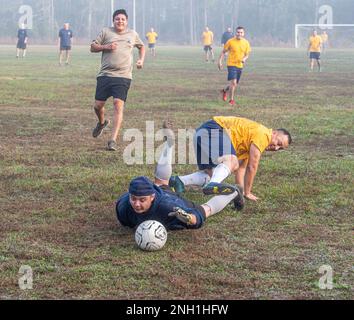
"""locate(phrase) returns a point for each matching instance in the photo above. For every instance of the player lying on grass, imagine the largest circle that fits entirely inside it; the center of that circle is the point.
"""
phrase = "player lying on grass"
(156, 201)
(226, 145)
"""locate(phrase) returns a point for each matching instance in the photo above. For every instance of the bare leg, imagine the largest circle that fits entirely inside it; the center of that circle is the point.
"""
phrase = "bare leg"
(99, 110)
(117, 117)
(233, 85)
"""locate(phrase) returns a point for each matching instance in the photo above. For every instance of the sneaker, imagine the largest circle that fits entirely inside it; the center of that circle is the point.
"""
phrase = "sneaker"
(239, 201)
(176, 184)
(224, 94)
(232, 102)
(112, 145)
(99, 128)
(218, 188)
(168, 134)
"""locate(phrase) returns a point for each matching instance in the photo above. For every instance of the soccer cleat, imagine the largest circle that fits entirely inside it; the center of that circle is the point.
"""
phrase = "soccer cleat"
(99, 128)
(232, 102)
(218, 188)
(224, 94)
(239, 200)
(181, 215)
(112, 145)
(176, 184)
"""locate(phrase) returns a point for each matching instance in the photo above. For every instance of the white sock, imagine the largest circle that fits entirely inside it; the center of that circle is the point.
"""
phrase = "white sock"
(199, 178)
(217, 203)
(163, 170)
(220, 173)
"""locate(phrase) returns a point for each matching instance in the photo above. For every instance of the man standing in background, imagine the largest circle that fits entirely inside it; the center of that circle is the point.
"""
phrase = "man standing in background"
(226, 36)
(151, 37)
(22, 39)
(315, 43)
(208, 38)
(113, 80)
(65, 41)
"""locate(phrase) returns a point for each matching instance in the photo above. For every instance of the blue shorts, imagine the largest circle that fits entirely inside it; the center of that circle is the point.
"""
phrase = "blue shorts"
(208, 48)
(151, 45)
(211, 142)
(234, 73)
(315, 55)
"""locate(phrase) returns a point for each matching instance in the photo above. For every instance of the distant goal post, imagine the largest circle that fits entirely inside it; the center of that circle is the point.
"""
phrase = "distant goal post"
(321, 26)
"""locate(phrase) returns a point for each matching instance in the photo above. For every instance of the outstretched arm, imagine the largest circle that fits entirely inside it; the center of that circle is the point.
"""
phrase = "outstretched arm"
(251, 171)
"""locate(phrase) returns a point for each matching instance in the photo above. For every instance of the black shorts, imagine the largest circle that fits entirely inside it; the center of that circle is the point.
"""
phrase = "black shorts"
(315, 55)
(208, 48)
(151, 45)
(112, 87)
(189, 204)
(65, 48)
(21, 45)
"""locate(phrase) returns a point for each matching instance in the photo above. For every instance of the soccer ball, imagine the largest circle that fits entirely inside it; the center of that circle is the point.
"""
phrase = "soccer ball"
(150, 235)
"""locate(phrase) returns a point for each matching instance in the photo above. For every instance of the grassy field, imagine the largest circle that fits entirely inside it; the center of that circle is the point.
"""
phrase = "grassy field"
(58, 184)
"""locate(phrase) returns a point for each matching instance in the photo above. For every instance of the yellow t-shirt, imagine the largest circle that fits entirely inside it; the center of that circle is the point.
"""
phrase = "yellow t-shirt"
(315, 43)
(238, 50)
(243, 132)
(151, 37)
(324, 38)
(207, 38)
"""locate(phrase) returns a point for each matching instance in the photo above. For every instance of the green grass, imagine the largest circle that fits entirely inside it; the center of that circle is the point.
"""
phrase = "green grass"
(58, 184)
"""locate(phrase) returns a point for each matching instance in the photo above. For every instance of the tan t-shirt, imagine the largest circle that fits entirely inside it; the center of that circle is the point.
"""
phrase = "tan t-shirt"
(119, 62)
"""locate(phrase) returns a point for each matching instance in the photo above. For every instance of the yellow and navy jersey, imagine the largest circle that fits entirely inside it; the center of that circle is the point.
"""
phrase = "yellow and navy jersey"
(315, 43)
(244, 132)
(207, 38)
(237, 49)
(151, 37)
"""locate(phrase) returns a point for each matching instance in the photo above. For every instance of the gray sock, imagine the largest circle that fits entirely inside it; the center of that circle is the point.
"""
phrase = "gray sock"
(217, 203)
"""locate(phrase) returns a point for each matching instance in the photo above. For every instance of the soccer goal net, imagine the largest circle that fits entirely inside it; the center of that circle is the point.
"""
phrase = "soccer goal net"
(339, 36)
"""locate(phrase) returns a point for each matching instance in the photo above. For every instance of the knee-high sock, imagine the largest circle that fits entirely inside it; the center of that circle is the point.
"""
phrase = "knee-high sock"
(198, 178)
(220, 173)
(163, 170)
(217, 203)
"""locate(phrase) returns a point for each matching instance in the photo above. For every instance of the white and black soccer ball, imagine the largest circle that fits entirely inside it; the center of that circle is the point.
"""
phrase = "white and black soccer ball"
(150, 235)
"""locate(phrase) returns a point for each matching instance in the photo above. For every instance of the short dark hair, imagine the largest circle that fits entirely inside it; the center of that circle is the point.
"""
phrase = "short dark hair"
(239, 28)
(287, 133)
(120, 11)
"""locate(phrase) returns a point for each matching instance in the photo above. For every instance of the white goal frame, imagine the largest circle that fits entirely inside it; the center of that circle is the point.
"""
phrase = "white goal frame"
(322, 26)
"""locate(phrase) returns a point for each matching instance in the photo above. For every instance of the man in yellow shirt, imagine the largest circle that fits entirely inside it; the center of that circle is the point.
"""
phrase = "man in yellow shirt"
(239, 50)
(208, 39)
(226, 145)
(324, 37)
(315, 43)
(151, 37)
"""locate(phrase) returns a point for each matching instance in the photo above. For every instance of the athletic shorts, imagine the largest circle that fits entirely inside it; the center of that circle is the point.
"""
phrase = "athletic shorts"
(207, 48)
(115, 87)
(315, 55)
(188, 203)
(151, 45)
(211, 142)
(21, 45)
(65, 48)
(234, 73)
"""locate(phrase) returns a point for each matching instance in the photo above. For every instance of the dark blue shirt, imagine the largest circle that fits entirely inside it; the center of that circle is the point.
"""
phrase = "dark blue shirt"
(22, 35)
(162, 205)
(226, 37)
(65, 37)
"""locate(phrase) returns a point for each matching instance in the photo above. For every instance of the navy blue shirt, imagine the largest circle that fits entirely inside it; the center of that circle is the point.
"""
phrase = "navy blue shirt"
(22, 35)
(65, 37)
(162, 205)
(226, 37)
